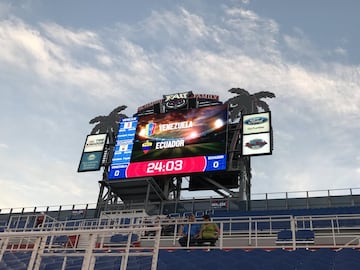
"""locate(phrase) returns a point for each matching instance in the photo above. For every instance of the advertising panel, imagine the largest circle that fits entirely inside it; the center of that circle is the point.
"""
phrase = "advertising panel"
(90, 161)
(92, 153)
(256, 144)
(256, 134)
(256, 123)
(178, 142)
(95, 143)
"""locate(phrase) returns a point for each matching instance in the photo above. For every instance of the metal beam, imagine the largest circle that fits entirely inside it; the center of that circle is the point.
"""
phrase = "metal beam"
(219, 186)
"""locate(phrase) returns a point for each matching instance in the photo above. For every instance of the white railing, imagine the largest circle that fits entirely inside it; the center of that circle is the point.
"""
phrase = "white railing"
(255, 197)
(332, 231)
(252, 231)
(92, 238)
(42, 243)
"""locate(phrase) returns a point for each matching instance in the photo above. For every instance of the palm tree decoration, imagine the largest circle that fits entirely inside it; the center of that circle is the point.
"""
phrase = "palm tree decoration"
(109, 123)
(246, 103)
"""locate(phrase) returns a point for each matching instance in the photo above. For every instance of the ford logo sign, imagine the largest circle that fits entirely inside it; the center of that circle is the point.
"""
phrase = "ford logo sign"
(255, 120)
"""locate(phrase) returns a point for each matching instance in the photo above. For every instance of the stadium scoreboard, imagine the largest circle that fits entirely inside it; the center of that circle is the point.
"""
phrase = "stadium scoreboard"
(179, 142)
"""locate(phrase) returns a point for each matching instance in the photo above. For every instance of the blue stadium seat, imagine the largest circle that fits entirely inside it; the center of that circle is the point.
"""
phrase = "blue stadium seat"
(57, 265)
(118, 238)
(301, 236)
(61, 240)
(304, 235)
(285, 235)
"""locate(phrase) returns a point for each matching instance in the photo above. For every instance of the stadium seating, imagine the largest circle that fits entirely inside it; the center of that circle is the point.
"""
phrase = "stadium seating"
(301, 237)
(279, 259)
(260, 259)
(250, 240)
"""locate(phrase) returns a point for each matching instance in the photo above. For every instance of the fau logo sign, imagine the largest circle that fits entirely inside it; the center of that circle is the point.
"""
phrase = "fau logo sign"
(176, 101)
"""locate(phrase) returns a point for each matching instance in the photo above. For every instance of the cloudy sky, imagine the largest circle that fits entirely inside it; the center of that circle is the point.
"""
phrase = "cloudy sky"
(64, 62)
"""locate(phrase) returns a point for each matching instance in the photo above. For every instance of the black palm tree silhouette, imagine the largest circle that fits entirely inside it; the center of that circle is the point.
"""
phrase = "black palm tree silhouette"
(246, 103)
(109, 123)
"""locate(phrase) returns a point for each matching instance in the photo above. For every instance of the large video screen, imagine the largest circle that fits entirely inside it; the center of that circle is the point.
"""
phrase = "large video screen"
(178, 142)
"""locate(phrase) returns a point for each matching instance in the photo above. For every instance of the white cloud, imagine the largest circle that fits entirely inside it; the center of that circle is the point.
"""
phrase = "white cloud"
(340, 51)
(300, 44)
(330, 93)
(63, 70)
(26, 48)
(105, 60)
(67, 37)
(175, 26)
(4, 146)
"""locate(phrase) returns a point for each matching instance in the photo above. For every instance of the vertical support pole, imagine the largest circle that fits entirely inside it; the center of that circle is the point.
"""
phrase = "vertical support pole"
(293, 231)
(63, 267)
(9, 217)
(161, 208)
(88, 252)
(166, 189)
(100, 200)
(307, 200)
(3, 245)
(125, 258)
(59, 212)
(221, 244)
(34, 254)
(147, 195)
(267, 202)
(39, 252)
(248, 170)
(156, 249)
(178, 188)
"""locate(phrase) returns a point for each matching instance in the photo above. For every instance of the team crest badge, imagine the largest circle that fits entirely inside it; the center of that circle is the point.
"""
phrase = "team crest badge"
(146, 147)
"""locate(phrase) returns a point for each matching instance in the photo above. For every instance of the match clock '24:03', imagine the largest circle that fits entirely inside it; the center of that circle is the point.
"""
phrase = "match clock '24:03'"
(165, 166)
(177, 166)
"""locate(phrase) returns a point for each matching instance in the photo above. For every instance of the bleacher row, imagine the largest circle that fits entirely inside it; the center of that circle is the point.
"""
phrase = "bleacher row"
(28, 219)
(278, 259)
(303, 218)
(299, 239)
(300, 227)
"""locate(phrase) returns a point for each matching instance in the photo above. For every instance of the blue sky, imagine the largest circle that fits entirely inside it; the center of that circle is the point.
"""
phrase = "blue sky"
(64, 62)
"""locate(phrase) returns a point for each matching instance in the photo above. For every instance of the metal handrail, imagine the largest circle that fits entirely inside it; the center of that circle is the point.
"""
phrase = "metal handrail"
(254, 196)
